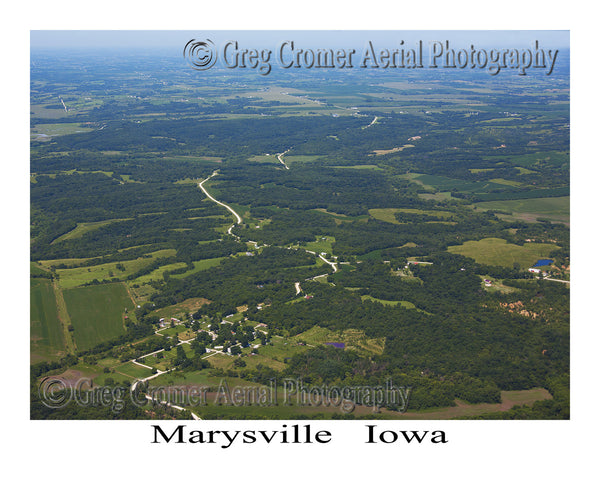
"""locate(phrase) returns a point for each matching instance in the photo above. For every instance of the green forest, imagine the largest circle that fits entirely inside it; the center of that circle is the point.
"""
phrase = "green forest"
(350, 197)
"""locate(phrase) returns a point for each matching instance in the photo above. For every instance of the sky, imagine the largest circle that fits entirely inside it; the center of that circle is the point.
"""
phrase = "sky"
(136, 39)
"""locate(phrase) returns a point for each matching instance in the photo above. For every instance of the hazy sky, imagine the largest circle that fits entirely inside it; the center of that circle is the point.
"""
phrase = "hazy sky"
(260, 39)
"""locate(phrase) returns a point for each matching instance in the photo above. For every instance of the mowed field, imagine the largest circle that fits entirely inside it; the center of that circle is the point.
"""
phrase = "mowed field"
(497, 251)
(97, 312)
(353, 338)
(321, 244)
(47, 335)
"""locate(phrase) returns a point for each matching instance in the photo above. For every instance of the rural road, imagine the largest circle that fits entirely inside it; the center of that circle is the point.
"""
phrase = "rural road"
(279, 155)
(238, 219)
(332, 264)
(557, 280)
(372, 123)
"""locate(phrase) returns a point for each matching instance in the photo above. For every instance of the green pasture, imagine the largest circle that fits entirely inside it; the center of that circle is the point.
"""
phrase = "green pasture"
(74, 277)
(321, 244)
(157, 274)
(271, 158)
(497, 251)
(361, 167)
(199, 266)
(281, 348)
(388, 214)
(132, 370)
(83, 228)
(290, 159)
(354, 339)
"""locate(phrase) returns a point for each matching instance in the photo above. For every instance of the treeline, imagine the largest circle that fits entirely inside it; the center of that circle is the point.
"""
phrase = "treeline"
(512, 194)
(556, 408)
(340, 190)
(164, 215)
(234, 136)
(143, 167)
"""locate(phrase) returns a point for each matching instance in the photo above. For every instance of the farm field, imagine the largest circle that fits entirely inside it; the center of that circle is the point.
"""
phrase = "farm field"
(97, 312)
(53, 129)
(47, 333)
(556, 158)
(443, 183)
(496, 251)
(553, 208)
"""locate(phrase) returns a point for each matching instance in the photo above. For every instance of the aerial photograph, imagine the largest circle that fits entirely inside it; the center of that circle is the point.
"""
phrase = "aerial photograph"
(299, 225)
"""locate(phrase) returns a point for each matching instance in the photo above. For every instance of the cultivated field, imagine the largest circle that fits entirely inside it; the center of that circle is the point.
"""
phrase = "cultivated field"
(47, 335)
(97, 312)
(553, 208)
